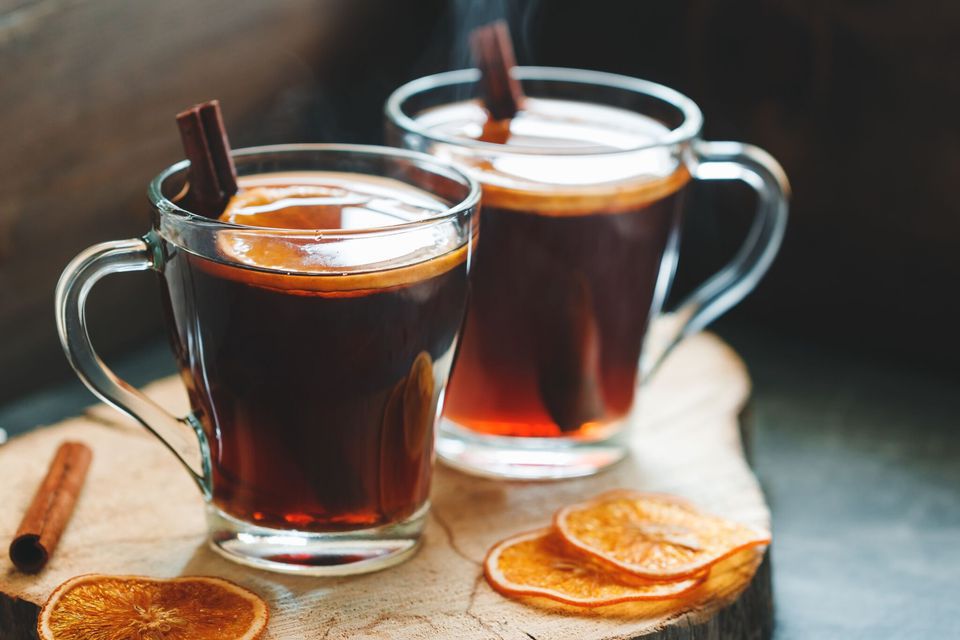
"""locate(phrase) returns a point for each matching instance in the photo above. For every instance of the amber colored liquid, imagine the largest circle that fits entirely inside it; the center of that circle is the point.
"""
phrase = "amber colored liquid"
(566, 269)
(558, 312)
(317, 393)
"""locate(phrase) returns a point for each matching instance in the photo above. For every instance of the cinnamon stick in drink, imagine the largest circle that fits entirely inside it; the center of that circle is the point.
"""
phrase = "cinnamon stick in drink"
(567, 348)
(493, 53)
(52, 506)
(213, 176)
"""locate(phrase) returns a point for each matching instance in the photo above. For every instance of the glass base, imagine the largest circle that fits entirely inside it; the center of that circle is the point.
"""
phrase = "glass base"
(307, 553)
(524, 458)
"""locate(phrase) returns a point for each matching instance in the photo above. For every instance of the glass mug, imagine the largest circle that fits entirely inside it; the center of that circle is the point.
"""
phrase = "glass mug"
(314, 361)
(581, 222)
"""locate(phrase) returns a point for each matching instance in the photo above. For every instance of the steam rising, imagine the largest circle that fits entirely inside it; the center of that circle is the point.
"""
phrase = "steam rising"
(470, 14)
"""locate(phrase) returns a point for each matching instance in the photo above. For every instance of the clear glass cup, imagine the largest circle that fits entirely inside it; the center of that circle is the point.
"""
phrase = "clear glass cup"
(577, 254)
(314, 384)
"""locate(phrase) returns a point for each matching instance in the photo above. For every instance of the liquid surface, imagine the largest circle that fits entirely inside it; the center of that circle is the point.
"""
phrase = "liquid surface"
(567, 268)
(317, 391)
(294, 220)
(611, 141)
(327, 200)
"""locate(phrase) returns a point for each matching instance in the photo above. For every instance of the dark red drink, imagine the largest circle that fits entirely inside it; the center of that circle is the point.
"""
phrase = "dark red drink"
(559, 308)
(317, 389)
(567, 266)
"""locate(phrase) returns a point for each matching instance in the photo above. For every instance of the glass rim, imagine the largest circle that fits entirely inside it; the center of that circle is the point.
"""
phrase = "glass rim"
(437, 166)
(686, 131)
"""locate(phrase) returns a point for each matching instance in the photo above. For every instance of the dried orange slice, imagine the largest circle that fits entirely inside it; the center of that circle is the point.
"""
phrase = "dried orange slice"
(540, 563)
(132, 607)
(650, 535)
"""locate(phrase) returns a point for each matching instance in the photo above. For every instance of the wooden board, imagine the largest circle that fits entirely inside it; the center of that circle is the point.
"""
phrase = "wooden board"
(140, 514)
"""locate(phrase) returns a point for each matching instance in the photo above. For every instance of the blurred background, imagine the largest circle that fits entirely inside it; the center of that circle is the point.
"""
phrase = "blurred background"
(857, 100)
(852, 339)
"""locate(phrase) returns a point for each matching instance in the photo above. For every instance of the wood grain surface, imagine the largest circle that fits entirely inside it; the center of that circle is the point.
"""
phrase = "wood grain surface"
(141, 514)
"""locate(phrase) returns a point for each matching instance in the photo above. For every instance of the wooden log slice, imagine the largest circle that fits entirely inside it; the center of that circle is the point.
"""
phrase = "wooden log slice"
(140, 514)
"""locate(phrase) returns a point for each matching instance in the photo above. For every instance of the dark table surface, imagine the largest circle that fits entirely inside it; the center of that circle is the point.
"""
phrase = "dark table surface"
(861, 465)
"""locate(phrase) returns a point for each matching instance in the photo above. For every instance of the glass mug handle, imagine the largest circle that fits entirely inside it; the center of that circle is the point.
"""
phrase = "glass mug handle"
(730, 285)
(183, 436)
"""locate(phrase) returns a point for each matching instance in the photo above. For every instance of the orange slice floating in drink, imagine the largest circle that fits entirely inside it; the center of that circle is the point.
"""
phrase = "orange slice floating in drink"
(288, 207)
(329, 233)
(407, 425)
(418, 404)
(654, 536)
(124, 607)
(540, 563)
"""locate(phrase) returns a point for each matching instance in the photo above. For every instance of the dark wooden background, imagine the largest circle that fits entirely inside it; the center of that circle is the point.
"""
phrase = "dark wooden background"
(858, 100)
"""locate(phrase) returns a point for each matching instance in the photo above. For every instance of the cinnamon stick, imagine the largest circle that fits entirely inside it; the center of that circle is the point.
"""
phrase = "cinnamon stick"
(213, 176)
(52, 506)
(493, 53)
(567, 351)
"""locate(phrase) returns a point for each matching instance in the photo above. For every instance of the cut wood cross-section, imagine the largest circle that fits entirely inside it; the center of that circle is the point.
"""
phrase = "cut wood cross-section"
(140, 514)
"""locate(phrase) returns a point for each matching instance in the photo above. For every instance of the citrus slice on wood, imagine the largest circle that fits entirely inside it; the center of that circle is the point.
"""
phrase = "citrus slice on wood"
(540, 563)
(134, 608)
(653, 536)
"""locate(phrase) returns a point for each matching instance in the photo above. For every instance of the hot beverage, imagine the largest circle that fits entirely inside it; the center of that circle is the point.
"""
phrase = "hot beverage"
(566, 270)
(314, 294)
(318, 386)
(583, 176)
